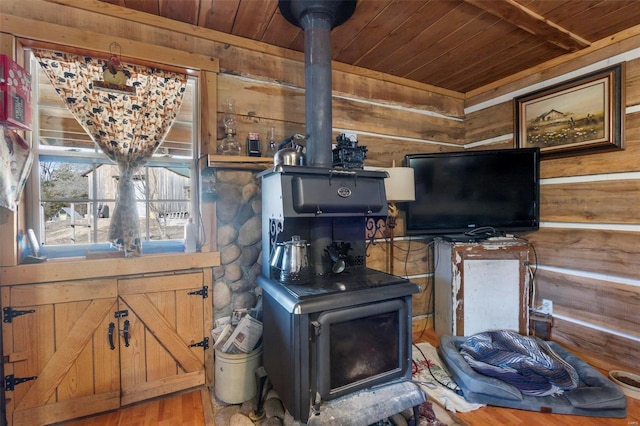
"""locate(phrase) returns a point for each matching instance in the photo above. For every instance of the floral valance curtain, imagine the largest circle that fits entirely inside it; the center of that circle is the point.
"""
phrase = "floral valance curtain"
(128, 127)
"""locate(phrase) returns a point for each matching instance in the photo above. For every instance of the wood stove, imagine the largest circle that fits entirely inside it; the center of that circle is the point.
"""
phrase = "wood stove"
(336, 334)
(337, 340)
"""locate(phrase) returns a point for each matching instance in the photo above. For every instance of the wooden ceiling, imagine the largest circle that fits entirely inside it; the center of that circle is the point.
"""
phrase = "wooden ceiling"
(459, 45)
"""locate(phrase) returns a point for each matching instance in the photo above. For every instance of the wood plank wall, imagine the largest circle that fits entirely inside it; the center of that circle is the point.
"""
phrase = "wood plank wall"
(391, 116)
(587, 258)
(588, 247)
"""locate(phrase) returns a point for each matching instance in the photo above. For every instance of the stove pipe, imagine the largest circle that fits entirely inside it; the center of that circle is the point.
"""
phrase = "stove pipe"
(317, 18)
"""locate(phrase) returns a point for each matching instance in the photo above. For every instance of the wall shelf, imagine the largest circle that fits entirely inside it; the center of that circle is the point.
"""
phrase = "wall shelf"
(239, 162)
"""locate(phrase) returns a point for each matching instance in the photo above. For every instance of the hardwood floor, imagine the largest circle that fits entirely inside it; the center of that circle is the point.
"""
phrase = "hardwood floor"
(191, 408)
(195, 409)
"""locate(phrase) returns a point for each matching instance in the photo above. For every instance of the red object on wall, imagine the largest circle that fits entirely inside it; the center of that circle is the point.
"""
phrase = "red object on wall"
(15, 95)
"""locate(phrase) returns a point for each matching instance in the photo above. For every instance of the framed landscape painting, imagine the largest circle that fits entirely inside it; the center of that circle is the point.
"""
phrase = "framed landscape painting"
(580, 116)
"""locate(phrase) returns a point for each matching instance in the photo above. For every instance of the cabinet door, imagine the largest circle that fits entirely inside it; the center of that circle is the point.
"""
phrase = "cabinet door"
(164, 322)
(64, 343)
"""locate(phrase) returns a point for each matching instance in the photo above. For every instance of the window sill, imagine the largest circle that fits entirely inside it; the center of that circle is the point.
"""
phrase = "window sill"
(81, 268)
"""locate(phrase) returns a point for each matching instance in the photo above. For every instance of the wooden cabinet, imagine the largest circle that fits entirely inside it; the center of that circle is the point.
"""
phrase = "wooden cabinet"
(77, 348)
(481, 286)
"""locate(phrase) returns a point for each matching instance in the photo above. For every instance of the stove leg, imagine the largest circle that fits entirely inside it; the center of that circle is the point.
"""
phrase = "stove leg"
(262, 381)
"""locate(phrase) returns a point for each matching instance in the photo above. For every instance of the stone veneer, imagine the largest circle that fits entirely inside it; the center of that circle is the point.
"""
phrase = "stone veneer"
(238, 221)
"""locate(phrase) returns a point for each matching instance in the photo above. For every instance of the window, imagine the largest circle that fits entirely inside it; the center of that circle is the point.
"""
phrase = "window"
(74, 184)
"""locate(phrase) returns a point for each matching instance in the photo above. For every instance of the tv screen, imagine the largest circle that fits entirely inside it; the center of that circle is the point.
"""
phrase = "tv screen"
(472, 191)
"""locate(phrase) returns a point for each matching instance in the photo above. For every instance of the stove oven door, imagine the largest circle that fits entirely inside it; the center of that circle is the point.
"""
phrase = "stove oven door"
(362, 346)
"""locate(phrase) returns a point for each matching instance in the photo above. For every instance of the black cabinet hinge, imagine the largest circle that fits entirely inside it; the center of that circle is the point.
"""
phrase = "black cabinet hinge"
(204, 292)
(204, 343)
(10, 381)
(9, 313)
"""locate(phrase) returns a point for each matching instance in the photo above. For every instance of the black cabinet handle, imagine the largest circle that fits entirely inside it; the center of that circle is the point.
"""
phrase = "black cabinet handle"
(112, 327)
(125, 333)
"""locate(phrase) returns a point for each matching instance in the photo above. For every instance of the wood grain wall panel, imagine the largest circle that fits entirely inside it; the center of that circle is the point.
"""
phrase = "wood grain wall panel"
(383, 151)
(605, 350)
(607, 252)
(632, 86)
(489, 123)
(591, 202)
(422, 303)
(208, 84)
(376, 87)
(398, 122)
(256, 100)
(412, 258)
(619, 161)
(597, 301)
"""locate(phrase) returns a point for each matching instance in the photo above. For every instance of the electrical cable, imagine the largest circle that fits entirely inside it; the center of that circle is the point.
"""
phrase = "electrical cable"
(430, 244)
(456, 389)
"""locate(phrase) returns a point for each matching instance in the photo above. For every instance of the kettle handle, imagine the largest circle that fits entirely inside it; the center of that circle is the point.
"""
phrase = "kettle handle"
(290, 140)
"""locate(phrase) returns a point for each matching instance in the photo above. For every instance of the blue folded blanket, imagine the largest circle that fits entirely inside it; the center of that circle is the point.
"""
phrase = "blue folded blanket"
(527, 363)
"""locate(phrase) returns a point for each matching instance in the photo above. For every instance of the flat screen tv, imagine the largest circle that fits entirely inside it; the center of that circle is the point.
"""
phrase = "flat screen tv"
(482, 193)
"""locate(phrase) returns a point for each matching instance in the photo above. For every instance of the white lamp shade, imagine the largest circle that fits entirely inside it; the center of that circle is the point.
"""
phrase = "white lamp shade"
(400, 185)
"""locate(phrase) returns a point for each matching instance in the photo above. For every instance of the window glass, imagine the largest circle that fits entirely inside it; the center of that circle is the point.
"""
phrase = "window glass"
(75, 184)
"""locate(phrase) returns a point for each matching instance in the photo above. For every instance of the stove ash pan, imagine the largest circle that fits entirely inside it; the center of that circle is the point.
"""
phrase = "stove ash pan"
(293, 191)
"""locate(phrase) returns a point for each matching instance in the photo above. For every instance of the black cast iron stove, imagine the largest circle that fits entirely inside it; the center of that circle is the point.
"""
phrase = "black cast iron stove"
(335, 335)
(336, 346)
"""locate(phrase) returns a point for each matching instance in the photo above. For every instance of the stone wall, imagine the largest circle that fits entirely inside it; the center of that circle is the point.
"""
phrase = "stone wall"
(238, 210)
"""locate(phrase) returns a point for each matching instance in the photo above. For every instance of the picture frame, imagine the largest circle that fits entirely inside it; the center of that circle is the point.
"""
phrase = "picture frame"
(580, 116)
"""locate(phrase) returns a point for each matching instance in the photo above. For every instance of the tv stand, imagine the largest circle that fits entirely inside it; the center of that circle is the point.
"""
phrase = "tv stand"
(474, 235)
(481, 286)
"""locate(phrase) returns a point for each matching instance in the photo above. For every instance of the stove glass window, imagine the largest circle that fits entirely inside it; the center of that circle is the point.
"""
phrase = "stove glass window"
(363, 348)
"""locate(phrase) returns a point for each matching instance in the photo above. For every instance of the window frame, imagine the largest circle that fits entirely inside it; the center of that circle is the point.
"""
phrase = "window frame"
(34, 213)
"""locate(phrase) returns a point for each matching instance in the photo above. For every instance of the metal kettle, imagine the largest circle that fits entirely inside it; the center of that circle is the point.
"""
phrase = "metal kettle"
(290, 153)
(294, 263)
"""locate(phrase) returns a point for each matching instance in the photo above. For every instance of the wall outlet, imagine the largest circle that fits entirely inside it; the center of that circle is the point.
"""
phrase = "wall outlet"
(547, 307)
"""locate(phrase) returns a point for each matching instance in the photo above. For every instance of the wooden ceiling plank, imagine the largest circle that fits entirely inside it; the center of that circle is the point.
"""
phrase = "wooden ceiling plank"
(505, 66)
(403, 42)
(623, 18)
(463, 57)
(495, 40)
(365, 15)
(183, 10)
(280, 32)
(532, 23)
(204, 10)
(511, 53)
(253, 18)
(220, 15)
(376, 32)
(149, 6)
(586, 18)
(456, 33)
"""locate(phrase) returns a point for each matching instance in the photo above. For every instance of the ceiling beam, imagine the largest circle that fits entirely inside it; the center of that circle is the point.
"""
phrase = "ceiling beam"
(533, 23)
